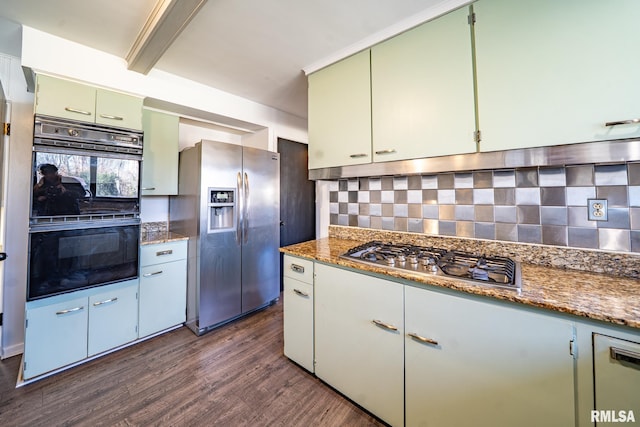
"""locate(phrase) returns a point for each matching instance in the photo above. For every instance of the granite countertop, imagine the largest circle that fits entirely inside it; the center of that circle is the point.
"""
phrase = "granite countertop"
(162, 236)
(592, 295)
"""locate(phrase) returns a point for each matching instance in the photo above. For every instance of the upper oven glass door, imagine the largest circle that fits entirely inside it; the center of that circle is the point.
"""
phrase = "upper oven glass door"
(83, 184)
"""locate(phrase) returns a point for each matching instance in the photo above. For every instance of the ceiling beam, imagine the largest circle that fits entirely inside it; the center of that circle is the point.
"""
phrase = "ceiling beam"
(165, 22)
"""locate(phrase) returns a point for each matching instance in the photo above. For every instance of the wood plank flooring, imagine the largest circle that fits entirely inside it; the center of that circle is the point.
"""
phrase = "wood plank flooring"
(235, 375)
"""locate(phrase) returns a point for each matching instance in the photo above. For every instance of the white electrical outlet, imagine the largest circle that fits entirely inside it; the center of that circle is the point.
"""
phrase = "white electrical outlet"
(597, 209)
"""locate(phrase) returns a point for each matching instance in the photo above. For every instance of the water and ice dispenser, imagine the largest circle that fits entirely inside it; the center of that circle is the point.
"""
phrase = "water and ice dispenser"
(222, 209)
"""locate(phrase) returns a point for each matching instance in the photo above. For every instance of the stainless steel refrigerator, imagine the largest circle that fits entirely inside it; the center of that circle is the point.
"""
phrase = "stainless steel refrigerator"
(228, 204)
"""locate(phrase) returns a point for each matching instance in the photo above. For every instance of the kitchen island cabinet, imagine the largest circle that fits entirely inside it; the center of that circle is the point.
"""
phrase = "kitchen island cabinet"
(422, 91)
(298, 311)
(340, 113)
(470, 362)
(552, 73)
(160, 161)
(75, 101)
(359, 339)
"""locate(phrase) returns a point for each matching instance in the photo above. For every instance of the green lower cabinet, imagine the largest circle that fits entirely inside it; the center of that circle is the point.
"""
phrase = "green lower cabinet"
(112, 319)
(55, 334)
(474, 363)
(68, 328)
(163, 296)
(359, 339)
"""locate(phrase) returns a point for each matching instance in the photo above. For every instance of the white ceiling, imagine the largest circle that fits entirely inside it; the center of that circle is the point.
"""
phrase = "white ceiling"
(256, 49)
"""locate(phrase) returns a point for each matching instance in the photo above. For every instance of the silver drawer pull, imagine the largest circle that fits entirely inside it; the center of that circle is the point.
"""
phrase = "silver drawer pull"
(389, 151)
(73, 110)
(625, 355)
(384, 325)
(167, 252)
(107, 301)
(358, 155)
(299, 292)
(297, 268)
(148, 188)
(155, 273)
(108, 116)
(623, 122)
(70, 310)
(423, 339)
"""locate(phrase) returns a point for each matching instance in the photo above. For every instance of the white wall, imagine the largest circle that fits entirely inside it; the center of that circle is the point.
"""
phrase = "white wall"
(17, 204)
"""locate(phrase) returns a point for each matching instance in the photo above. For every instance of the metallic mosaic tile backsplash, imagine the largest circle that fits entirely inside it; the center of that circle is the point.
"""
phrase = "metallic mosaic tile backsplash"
(530, 205)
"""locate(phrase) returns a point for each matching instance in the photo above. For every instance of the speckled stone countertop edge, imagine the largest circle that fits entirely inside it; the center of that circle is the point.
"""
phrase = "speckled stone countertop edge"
(596, 296)
(160, 237)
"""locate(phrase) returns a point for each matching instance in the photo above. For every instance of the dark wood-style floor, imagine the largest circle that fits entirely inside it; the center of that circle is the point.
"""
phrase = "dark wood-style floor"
(236, 375)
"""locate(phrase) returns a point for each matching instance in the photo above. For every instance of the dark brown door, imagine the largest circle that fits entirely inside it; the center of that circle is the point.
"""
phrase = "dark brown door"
(297, 196)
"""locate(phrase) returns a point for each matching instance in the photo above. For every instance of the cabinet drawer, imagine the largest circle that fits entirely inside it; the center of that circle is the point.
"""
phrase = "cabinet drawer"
(163, 252)
(298, 268)
(298, 322)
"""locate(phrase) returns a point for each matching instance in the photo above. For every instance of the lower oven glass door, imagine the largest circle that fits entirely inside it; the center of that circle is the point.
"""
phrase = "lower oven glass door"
(67, 260)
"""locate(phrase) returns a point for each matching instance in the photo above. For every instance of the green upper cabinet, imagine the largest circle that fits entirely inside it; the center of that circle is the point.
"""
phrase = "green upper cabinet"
(118, 109)
(71, 100)
(422, 91)
(66, 99)
(340, 113)
(555, 72)
(160, 153)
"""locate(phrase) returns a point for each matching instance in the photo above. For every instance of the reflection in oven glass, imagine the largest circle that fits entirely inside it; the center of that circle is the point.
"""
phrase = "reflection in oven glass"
(78, 184)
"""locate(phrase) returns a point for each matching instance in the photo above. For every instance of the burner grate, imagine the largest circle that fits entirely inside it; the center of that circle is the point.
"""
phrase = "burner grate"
(483, 269)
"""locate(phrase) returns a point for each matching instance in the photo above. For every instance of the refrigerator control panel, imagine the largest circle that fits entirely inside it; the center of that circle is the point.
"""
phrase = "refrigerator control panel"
(221, 196)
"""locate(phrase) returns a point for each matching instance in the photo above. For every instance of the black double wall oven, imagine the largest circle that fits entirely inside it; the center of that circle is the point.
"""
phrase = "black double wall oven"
(84, 224)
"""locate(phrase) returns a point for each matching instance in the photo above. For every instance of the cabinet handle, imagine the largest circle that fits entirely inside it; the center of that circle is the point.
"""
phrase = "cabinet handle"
(423, 339)
(297, 268)
(299, 292)
(389, 151)
(625, 355)
(623, 122)
(107, 301)
(152, 274)
(359, 155)
(148, 188)
(167, 252)
(108, 116)
(74, 110)
(384, 325)
(69, 310)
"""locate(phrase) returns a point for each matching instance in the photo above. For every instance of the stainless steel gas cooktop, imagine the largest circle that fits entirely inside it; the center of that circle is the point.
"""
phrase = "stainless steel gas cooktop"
(485, 270)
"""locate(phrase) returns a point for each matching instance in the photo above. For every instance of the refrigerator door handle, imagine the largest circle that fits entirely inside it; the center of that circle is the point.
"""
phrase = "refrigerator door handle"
(245, 216)
(240, 207)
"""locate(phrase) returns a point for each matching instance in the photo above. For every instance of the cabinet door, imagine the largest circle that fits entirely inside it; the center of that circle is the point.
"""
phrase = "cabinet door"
(486, 364)
(160, 164)
(66, 99)
(422, 91)
(298, 322)
(554, 72)
(353, 354)
(163, 296)
(113, 318)
(617, 374)
(55, 336)
(118, 109)
(340, 113)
